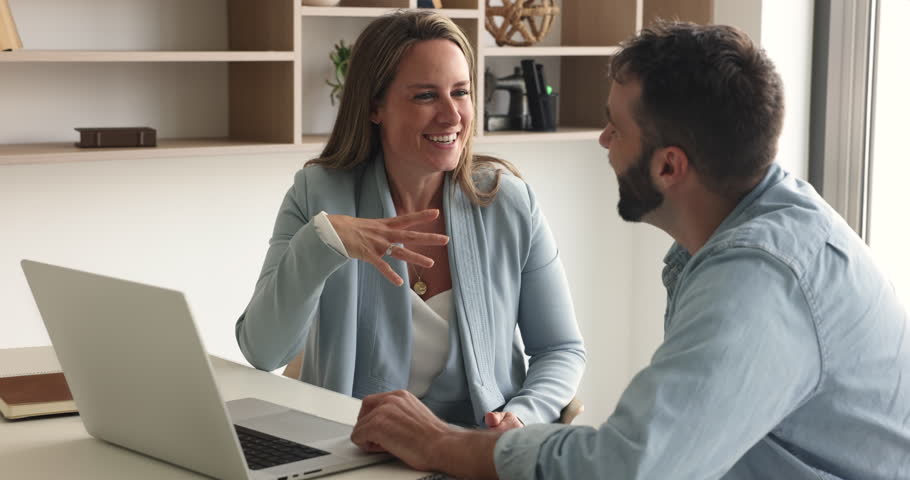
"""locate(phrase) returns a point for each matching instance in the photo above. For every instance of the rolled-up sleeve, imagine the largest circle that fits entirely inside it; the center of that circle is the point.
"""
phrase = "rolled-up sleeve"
(741, 353)
(517, 450)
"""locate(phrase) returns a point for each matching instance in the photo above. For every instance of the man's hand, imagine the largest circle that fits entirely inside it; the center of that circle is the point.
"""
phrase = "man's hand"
(368, 239)
(502, 421)
(398, 423)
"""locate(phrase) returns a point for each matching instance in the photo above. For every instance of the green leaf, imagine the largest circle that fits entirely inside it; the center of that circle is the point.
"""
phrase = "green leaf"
(341, 59)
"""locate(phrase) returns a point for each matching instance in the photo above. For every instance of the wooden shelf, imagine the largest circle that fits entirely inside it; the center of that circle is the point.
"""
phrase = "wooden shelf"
(354, 12)
(62, 152)
(273, 52)
(317, 142)
(562, 134)
(67, 152)
(549, 51)
(76, 56)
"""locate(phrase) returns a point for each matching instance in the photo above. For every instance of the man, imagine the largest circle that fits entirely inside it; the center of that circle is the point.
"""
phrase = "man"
(786, 352)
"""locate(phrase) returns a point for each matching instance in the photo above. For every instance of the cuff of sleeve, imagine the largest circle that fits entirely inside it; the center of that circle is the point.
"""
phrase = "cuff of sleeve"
(328, 234)
(517, 450)
(322, 259)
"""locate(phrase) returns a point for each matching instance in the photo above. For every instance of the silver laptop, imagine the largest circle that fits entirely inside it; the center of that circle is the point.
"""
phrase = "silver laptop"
(141, 379)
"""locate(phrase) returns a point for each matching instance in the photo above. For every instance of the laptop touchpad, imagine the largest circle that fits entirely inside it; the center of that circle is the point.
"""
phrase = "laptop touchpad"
(298, 426)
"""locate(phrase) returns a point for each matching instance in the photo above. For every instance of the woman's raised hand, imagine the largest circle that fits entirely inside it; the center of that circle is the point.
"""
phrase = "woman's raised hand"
(370, 239)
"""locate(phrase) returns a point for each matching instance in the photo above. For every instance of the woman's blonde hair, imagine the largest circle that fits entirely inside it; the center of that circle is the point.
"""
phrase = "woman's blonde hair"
(374, 62)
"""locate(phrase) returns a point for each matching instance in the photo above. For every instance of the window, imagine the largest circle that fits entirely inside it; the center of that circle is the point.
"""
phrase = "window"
(860, 100)
(889, 181)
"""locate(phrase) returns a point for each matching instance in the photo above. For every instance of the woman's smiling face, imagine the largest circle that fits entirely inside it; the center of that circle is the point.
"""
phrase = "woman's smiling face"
(427, 112)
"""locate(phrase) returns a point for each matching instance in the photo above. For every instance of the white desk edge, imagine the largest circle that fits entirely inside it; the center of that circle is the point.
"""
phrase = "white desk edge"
(59, 447)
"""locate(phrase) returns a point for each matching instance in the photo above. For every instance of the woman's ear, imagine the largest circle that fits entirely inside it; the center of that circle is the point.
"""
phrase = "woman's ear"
(375, 114)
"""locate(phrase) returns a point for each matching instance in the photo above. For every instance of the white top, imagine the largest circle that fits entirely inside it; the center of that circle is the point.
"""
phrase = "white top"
(430, 342)
(430, 321)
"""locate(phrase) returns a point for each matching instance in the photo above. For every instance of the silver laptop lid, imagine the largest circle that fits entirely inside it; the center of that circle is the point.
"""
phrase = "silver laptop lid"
(137, 368)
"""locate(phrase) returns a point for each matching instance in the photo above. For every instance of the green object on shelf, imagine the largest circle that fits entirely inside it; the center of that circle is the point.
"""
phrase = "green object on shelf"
(341, 58)
(549, 90)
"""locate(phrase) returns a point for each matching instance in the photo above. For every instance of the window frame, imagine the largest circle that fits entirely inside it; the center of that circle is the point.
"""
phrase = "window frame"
(843, 79)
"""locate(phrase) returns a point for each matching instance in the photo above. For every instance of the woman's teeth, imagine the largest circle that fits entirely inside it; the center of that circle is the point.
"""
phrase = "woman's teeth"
(442, 138)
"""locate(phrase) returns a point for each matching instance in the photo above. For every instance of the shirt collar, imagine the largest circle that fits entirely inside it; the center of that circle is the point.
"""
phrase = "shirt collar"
(677, 256)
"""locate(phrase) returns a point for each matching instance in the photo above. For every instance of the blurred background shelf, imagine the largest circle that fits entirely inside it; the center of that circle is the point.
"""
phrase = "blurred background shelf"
(561, 134)
(76, 56)
(549, 51)
(378, 11)
(249, 76)
(57, 152)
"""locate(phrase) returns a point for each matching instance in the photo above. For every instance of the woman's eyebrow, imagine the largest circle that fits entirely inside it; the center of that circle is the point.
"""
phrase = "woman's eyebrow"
(430, 85)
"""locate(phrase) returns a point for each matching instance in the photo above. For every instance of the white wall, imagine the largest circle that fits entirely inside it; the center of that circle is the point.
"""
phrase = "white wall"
(743, 14)
(784, 29)
(787, 37)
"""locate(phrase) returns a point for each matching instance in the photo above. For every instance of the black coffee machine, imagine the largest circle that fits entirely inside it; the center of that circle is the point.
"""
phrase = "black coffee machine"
(532, 104)
(517, 117)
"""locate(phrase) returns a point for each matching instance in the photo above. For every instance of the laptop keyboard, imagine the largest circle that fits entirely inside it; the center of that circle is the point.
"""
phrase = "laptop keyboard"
(263, 450)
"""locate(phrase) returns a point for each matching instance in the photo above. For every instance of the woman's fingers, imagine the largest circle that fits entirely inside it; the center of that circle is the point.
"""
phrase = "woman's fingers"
(411, 219)
(502, 421)
(411, 256)
(371, 240)
(492, 419)
(400, 253)
(386, 270)
(418, 238)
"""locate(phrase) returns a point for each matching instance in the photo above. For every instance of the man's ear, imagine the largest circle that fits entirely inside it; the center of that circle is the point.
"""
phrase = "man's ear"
(670, 167)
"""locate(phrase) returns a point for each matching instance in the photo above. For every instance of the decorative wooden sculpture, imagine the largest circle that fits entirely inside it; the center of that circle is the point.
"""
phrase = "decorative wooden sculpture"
(9, 37)
(531, 18)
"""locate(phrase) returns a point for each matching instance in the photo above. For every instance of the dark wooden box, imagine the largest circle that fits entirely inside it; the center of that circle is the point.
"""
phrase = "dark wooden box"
(117, 137)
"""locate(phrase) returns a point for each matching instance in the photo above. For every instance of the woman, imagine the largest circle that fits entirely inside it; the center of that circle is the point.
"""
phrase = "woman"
(399, 189)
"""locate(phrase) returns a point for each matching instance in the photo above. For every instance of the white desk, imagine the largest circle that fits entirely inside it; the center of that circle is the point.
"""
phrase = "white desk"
(59, 447)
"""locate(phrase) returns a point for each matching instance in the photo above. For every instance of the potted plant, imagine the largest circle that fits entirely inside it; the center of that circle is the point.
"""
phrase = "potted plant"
(341, 58)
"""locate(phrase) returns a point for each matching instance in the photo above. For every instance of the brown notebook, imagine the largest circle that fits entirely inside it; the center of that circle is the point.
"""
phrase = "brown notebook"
(32, 395)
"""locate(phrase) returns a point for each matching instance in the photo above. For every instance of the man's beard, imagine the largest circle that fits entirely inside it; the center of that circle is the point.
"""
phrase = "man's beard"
(637, 194)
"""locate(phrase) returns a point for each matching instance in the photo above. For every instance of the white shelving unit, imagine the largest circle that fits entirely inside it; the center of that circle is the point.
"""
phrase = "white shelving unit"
(258, 81)
(77, 56)
(549, 51)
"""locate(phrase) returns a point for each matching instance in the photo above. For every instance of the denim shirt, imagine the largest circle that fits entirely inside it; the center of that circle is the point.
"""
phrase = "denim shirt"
(784, 357)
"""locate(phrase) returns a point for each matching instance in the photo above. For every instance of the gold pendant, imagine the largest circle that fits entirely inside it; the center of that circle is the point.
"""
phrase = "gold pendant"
(420, 287)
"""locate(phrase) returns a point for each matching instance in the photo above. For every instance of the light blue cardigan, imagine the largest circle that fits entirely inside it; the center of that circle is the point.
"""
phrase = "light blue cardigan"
(356, 325)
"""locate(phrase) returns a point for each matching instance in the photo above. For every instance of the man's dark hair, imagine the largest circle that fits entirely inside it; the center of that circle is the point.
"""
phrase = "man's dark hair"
(710, 91)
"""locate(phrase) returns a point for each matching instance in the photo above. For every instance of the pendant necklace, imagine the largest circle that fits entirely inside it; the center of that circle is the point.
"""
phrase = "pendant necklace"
(419, 287)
